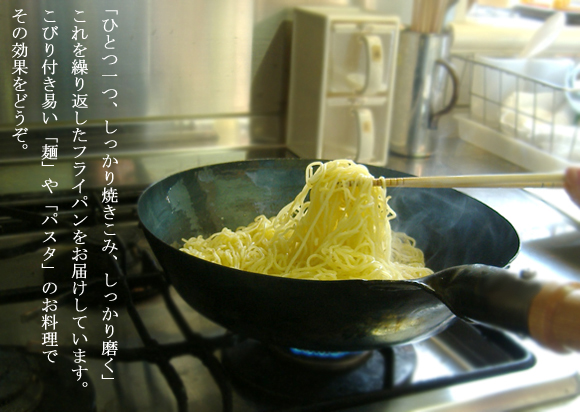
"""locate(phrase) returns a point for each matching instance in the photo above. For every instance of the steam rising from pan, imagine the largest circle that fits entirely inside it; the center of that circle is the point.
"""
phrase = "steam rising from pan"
(459, 222)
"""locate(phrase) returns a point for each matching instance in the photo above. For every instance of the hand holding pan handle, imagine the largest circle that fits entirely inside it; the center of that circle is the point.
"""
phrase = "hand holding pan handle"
(547, 312)
(554, 317)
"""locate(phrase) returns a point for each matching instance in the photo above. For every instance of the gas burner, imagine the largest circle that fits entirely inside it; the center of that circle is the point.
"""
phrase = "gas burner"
(298, 376)
(322, 360)
(30, 383)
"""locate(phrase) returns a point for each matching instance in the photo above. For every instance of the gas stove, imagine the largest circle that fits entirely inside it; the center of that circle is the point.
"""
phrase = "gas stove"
(170, 357)
(247, 374)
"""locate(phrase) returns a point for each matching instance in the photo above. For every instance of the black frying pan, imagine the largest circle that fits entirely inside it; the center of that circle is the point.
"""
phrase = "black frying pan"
(464, 241)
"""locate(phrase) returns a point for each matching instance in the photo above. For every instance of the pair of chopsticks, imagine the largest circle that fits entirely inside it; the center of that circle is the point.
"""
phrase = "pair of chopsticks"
(515, 180)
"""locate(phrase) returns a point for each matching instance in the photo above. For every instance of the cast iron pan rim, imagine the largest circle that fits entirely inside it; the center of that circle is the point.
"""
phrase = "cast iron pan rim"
(407, 282)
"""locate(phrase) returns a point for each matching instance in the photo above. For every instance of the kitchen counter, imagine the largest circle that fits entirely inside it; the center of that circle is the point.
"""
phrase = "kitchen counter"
(550, 241)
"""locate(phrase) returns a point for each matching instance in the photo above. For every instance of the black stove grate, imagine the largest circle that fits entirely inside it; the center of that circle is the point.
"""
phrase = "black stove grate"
(23, 215)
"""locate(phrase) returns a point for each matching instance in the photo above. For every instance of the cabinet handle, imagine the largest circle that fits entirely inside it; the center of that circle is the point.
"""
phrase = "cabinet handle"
(374, 64)
(365, 128)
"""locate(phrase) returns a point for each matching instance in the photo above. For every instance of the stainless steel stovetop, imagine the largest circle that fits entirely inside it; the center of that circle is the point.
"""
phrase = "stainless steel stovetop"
(464, 368)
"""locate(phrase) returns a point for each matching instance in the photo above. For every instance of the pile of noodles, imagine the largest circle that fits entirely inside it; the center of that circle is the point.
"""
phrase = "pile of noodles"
(340, 231)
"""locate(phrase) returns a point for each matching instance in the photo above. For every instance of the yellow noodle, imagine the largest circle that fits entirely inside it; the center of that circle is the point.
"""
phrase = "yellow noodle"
(341, 232)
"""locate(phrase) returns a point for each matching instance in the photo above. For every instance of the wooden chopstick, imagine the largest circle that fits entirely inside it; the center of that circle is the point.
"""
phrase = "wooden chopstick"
(428, 16)
(516, 180)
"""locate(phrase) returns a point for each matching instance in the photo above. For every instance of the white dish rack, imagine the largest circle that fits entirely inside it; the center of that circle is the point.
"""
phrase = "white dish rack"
(521, 110)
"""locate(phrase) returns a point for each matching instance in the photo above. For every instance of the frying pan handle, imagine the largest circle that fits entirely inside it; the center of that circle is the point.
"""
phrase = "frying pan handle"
(547, 312)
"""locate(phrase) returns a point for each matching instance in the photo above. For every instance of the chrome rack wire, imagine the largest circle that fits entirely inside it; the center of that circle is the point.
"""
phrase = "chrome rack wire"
(523, 109)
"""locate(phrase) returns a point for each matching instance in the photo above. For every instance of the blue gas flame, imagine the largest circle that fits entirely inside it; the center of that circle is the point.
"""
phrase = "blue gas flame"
(321, 354)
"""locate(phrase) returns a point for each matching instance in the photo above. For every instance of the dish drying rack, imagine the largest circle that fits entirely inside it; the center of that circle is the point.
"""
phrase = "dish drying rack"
(519, 110)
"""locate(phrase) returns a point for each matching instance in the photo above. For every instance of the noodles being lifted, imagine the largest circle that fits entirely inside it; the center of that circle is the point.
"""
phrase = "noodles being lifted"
(341, 232)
